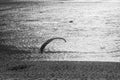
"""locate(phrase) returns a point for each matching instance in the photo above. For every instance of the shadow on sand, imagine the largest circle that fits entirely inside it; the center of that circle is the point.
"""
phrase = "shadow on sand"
(11, 58)
(9, 52)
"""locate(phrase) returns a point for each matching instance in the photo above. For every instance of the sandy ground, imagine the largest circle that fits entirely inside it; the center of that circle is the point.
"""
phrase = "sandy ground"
(63, 70)
(91, 31)
(91, 28)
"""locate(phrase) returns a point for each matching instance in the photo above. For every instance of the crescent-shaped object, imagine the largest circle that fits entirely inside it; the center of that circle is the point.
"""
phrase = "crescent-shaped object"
(48, 41)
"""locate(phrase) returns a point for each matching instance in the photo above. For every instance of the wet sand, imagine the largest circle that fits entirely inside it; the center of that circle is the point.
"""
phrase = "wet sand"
(61, 70)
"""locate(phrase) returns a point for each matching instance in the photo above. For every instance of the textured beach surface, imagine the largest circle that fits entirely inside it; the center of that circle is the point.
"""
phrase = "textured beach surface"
(63, 70)
(91, 29)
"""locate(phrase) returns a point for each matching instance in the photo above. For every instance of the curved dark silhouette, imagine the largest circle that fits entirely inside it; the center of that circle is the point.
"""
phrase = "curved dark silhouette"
(48, 41)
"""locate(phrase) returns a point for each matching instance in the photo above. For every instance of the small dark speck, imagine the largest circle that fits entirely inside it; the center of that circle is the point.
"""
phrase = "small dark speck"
(41, 12)
(71, 21)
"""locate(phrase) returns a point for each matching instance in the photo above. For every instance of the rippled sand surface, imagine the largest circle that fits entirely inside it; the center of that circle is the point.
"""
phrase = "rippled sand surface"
(92, 32)
(91, 28)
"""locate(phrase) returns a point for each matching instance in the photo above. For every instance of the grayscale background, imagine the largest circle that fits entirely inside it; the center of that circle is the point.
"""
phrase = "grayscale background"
(90, 27)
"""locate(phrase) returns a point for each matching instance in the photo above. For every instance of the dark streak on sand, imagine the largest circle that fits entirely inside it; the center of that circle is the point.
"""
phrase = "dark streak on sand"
(19, 67)
(63, 52)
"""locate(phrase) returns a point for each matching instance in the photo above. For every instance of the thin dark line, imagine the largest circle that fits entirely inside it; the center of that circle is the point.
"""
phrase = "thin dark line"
(73, 52)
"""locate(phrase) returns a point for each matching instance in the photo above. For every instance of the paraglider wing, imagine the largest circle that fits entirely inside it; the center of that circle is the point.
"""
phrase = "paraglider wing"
(48, 41)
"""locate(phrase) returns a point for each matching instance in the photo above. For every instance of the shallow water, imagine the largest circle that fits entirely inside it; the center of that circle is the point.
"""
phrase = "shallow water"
(91, 28)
